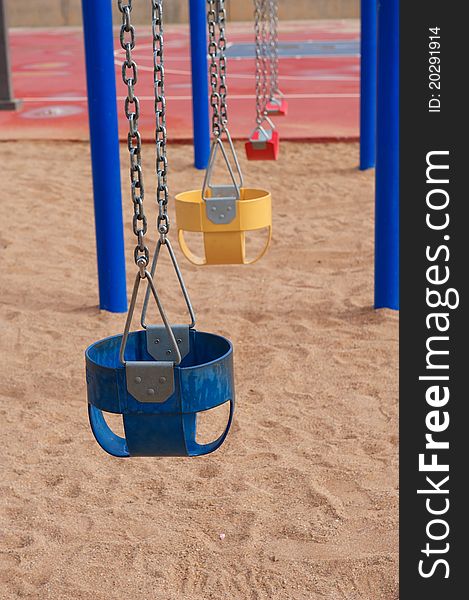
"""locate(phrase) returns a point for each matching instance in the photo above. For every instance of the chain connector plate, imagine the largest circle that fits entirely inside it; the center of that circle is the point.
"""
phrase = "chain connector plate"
(221, 206)
(150, 382)
(159, 344)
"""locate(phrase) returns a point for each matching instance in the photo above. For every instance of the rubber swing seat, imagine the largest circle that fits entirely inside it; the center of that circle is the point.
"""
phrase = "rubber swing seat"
(202, 381)
(224, 242)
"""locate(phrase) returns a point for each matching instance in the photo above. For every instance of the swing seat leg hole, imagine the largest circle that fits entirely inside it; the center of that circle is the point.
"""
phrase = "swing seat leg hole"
(115, 423)
(238, 247)
(193, 246)
(257, 242)
(212, 423)
(104, 430)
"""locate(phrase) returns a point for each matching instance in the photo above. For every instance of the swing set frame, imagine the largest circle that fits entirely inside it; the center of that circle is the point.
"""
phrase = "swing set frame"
(379, 137)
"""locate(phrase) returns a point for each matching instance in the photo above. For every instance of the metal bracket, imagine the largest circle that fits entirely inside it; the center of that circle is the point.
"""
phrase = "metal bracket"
(182, 285)
(260, 143)
(264, 134)
(159, 343)
(277, 103)
(221, 206)
(221, 199)
(150, 381)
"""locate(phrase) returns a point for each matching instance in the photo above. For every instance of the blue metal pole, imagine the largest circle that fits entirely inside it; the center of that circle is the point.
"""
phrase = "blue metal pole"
(104, 137)
(200, 100)
(387, 159)
(368, 73)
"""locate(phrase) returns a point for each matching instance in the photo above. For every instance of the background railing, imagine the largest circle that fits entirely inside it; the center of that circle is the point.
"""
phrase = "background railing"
(55, 13)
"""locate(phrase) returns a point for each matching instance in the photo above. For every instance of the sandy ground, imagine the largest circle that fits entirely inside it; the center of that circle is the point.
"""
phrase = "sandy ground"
(305, 488)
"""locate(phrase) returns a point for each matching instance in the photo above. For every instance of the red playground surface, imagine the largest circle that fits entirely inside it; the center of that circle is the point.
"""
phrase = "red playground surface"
(319, 75)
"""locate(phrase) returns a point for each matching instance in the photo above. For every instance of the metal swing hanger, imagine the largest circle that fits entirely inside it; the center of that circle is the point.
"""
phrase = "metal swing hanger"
(265, 85)
(276, 105)
(262, 64)
(171, 372)
(273, 47)
(223, 214)
(263, 143)
(182, 285)
(134, 143)
(261, 133)
(220, 199)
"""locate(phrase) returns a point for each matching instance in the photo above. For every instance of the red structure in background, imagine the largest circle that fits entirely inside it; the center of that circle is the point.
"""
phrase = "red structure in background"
(322, 90)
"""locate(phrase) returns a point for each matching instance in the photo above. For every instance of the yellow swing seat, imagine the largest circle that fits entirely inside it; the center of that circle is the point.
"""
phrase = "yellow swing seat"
(224, 242)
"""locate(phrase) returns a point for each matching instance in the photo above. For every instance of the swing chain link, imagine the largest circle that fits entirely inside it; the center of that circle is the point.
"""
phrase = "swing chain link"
(140, 224)
(134, 140)
(160, 117)
(274, 61)
(217, 70)
(265, 45)
(217, 45)
(222, 89)
(261, 60)
(213, 69)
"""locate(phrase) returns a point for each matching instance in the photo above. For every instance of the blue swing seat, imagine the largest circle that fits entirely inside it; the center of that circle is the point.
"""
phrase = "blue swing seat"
(202, 381)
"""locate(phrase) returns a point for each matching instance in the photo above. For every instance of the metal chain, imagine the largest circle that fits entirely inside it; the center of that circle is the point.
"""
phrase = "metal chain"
(160, 117)
(265, 41)
(273, 18)
(213, 69)
(260, 28)
(222, 89)
(140, 224)
(257, 31)
(217, 69)
(134, 140)
(216, 17)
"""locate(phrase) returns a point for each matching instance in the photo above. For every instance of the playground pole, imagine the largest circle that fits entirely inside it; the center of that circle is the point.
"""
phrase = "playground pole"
(200, 101)
(104, 137)
(368, 74)
(387, 159)
(7, 102)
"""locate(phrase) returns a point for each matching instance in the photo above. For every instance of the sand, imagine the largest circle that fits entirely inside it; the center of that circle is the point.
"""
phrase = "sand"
(301, 501)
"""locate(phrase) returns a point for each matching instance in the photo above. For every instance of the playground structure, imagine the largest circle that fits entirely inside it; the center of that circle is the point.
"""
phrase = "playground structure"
(301, 499)
(110, 249)
(264, 141)
(159, 378)
(379, 128)
(225, 212)
(160, 391)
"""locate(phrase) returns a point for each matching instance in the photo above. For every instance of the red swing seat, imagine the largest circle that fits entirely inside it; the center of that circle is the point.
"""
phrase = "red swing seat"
(277, 107)
(264, 144)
